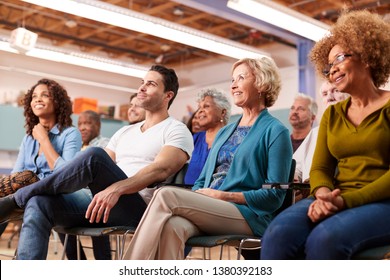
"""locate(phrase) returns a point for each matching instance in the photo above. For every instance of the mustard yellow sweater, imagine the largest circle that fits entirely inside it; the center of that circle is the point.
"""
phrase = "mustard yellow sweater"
(361, 155)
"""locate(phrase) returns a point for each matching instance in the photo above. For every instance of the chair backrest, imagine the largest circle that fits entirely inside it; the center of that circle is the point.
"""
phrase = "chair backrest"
(289, 198)
(179, 176)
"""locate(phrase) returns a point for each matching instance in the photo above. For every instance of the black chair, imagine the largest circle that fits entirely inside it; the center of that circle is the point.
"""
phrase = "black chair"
(244, 242)
(120, 233)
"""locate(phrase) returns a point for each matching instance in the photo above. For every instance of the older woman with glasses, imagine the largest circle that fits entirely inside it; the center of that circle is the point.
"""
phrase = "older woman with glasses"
(349, 207)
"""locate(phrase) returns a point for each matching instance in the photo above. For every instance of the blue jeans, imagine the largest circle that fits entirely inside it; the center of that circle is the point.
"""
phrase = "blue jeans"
(291, 235)
(100, 244)
(59, 200)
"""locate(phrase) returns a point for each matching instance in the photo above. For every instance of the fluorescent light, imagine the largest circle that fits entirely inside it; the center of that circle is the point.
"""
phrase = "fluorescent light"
(131, 20)
(79, 59)
(282, 17)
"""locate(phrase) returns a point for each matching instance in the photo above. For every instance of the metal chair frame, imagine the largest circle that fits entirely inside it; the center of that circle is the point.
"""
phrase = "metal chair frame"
(120, 233)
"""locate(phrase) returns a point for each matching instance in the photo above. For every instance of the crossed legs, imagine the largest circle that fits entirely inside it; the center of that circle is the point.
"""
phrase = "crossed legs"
(174, 215)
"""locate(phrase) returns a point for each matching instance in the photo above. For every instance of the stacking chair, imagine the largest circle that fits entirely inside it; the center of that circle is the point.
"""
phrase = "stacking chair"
(120, 233)
(242, 242)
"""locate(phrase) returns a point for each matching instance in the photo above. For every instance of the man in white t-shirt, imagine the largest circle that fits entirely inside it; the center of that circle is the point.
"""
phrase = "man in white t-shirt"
(304, 154)
(136, 157)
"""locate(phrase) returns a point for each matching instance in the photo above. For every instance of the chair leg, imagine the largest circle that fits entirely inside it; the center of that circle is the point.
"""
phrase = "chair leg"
(220, 252)
(205, 253)
(56, 240)
(14, 233)
(78, 241)
(117, 247)
(65, 244)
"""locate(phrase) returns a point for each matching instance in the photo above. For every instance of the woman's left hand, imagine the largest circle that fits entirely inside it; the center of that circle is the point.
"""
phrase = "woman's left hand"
(211, 192)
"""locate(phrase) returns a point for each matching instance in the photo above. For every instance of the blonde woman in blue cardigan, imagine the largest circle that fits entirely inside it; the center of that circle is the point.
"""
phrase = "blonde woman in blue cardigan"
(227, 197)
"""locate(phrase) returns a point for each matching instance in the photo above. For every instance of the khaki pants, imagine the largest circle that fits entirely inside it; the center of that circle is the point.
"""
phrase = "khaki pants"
(174, 215)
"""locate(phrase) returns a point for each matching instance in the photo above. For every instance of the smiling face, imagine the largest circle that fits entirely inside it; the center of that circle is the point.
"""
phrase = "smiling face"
(209, 114)
(42, 102)
(243, 89)
(331, 95)
(195, 127)
(88, 127)
(135, 113)
(151, 94)
(349, 73)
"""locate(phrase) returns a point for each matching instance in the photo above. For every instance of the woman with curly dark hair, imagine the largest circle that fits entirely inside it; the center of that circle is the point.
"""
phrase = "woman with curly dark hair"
(347, 211)
(50, 138)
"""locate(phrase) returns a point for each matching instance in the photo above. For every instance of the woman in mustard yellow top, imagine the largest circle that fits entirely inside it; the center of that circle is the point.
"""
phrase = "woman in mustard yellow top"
(350, 178)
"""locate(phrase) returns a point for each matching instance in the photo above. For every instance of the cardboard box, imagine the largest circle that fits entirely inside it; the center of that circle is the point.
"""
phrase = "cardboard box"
(82, 104)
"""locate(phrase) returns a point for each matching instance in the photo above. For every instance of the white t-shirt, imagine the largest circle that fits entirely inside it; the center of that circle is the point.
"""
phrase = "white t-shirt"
(304, 156)
(135, 149)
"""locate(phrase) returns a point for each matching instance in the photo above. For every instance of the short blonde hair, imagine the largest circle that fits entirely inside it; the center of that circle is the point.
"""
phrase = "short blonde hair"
(267, 77)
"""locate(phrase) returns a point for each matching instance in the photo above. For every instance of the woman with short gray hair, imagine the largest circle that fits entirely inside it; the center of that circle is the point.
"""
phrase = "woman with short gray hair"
(213, 113)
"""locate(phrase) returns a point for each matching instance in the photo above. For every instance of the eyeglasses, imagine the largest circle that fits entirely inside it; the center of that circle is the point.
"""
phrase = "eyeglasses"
(339, 59)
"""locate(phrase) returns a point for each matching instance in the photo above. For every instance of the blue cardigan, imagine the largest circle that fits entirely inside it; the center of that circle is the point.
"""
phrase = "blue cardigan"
(264, 156)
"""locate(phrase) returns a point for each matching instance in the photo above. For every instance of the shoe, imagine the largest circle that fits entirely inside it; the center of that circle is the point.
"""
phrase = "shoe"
(9, 210)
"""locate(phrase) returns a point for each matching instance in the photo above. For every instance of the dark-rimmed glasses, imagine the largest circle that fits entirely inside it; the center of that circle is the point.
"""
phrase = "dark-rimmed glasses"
(340, 58)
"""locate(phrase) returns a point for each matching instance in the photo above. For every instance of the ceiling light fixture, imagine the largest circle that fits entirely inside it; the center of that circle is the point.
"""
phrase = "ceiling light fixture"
(79, 59)
(131, 20)
(282, 17)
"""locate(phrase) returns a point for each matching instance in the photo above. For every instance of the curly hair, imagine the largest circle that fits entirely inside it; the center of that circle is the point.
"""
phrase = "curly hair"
(267, 77)
(61, 101)
(220, 100)
(362, 33)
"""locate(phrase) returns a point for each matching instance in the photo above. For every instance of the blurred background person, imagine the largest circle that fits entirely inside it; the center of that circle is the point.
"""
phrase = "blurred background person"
(193, 123)
(213, 113)
(304, 154)
(89, 124)
(301, 117)
(135, 113)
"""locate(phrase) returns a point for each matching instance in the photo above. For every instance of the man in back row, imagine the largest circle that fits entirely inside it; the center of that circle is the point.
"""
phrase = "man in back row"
(304, 154)
(89, 125)
(302, 115)
(135, 113)
(136, 157)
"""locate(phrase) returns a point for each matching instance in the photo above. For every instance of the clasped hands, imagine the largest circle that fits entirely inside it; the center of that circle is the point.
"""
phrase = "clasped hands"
(326, 204)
